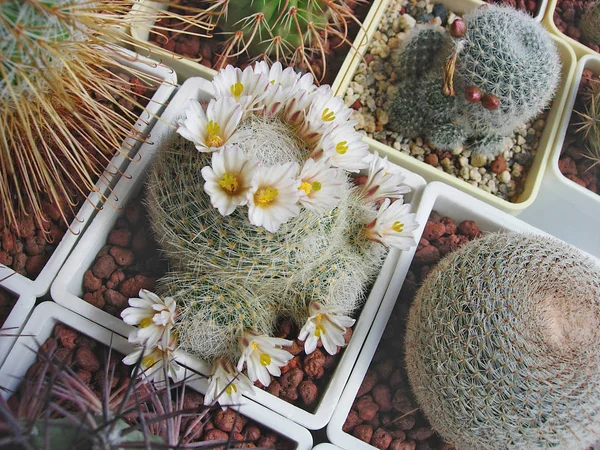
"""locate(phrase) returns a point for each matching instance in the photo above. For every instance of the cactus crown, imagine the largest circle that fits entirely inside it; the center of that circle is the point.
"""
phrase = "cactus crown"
(590, 22)
(502, 54)
(501, 347)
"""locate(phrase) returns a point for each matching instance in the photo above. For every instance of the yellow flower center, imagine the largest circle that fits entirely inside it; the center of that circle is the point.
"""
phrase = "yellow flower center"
(213, 139)
(306, 187)
(237, 89)
(265, 196)
(319, 331)
(341, 147)
(316, 186)
(254, 346)
(148, 361)
(145, 322)
(398, 227)
(231, 389)
(265, 359)
(328, 115)
(229, 183)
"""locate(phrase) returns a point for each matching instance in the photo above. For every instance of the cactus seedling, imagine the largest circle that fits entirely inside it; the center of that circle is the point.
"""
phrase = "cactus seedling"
(502, 345)
(498, 53)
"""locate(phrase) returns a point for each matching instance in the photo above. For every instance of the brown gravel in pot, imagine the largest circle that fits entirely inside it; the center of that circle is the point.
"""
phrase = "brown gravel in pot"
(7, 301)
(384, 413)
(28, 251)
(206, 51)
(88, 360)
(566, 17)
(530, 6)
(574, 162)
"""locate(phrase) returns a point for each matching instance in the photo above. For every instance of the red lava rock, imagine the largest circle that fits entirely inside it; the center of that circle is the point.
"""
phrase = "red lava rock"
(291, 379)
(402, 403)
(499, 164)
(432, 159)
(383, 397)
(420, 434)
(5, 258)
(577, 180)
(96, 298)
(85, 375)
(66, 336)
(35, 245)
(567, 166)
(216, 435)
(308, 392)
(8, 240)
(403, 445)
(25, 226)
(369, 381)
(434, 230)
(252, 433)
(104, 266)
(122, 256)
(363, 432)
(19, 262)
(469, 229)
(381, 439)
(268, 441)
(274, 388)
(131, 287)
(116, 299)
(367, 408)
(91, 282)
(313, 364)
(351, 421)
(228, 420)
(35, 264)
(427, 255)
(86, 359)
(120, 237)
(449, 224)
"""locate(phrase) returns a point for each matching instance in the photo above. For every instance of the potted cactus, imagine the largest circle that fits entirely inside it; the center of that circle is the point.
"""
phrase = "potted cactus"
(442, 128)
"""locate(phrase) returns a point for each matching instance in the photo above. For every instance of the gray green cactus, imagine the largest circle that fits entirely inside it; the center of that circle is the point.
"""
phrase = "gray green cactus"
(504, 53)
(502, 345)
(590, 23)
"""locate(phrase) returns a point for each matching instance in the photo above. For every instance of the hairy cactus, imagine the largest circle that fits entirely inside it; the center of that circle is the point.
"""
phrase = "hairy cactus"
(62, 109)
(498, 71)
(502, 345)
(590, 23)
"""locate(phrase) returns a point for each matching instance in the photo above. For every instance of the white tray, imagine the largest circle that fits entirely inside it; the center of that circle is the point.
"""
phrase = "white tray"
(40, 326)
(67, 289)
(447, 201)
(563, 208)
(40, 285)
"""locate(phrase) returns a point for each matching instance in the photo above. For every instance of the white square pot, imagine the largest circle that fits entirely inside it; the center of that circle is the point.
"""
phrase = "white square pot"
(67, 289)
(564, 208)
(41, 284)
(40, 326)
(447, 201)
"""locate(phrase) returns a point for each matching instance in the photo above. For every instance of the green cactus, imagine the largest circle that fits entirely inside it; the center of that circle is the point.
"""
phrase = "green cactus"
(589, 124)
(590, 23)
(502, 345)
(323, 258)
(503, 53)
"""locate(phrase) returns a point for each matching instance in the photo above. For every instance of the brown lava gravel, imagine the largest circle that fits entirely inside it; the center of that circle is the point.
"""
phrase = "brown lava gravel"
(530, 6)
(88, 359)
(28, 251)
(384, 412)
(206, 51)
(7, 301)
(566, 17)
(574, 162)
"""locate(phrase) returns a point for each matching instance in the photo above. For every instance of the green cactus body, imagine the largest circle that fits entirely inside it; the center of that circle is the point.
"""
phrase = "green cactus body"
(311, 258)
(590, 23)
(504, 53)
(590, 119)
(502, 345)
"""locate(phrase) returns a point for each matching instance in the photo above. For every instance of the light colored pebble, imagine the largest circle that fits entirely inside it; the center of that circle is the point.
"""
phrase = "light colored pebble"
(478, 160)
(504, 177)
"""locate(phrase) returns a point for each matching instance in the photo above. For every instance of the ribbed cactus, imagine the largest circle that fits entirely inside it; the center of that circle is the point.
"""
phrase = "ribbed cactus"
(502, 345)
(497, 70)
(590, 23)
(589, 123)
(64, 112)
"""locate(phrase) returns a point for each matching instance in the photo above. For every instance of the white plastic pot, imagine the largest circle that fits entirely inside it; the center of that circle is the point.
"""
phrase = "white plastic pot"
(67, 289)
(40, 326)
(186, 68)
(40, 285)
(326, 446)
(564, 208)
(447, 201)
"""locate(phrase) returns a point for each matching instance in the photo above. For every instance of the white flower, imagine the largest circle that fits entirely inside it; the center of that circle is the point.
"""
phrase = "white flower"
(344, 145)
(229, 178)
(382, 182)
(326, 325)
(212, 129)
(226, 384)
(273, 197)
(246, 86)
(326, 109)
(393, 226)
(263, 355)
(154, 315)
(294, 111)
(320, 186)
(156, 362)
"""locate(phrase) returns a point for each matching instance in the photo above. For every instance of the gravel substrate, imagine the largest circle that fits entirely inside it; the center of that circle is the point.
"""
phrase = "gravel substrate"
(566, 17)
(27, 251)
(530, 6)
(575, 163)
(373, 86)
(7, 301)
(88, 359)
(207, 51)
(384, 412)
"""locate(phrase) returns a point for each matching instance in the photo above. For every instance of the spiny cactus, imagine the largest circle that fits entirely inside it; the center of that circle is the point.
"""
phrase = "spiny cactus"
(497, 70)
(589, 125)
(502, 345)
(590, 23)
(60, 118)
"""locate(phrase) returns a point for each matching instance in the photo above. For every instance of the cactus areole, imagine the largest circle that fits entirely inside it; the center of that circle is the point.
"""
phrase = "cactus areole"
(503, 345)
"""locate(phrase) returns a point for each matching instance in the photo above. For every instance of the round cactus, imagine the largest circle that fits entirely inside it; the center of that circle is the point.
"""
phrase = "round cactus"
(503, 55)
(502, 345)
(590, 23)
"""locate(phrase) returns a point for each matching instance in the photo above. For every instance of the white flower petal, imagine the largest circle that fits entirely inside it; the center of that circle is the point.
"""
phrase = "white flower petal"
(393, 226)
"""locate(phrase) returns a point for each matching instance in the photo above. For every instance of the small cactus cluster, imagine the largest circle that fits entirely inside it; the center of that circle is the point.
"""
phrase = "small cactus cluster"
(502, 345)
(590, 23)
(475, 83)
(62, 113)
(589, 123)
(265, 221)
